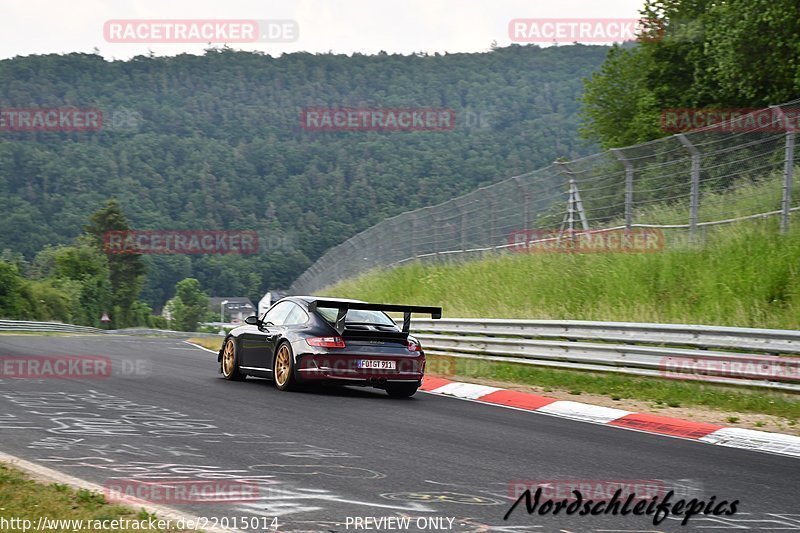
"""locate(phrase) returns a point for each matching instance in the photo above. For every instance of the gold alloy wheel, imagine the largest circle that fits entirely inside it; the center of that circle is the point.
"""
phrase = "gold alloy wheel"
(228, 358)
(282, 365)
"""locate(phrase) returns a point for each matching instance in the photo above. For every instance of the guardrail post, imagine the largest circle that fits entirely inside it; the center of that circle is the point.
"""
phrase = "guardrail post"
(694, 199)
(628, 186)
(788, 170)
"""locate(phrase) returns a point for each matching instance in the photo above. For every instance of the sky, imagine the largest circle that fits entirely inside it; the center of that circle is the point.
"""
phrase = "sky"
(341, 26)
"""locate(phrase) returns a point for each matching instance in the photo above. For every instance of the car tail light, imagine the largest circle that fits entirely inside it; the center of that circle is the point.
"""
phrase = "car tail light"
(326, 342)
(413, 346)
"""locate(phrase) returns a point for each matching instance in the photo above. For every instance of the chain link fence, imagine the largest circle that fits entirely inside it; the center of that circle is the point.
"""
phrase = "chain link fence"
(737, 169)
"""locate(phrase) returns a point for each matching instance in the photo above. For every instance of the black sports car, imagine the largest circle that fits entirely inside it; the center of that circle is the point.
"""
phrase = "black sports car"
(307, 339)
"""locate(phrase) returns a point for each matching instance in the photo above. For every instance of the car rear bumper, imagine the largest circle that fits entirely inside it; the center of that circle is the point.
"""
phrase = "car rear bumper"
(344, 368)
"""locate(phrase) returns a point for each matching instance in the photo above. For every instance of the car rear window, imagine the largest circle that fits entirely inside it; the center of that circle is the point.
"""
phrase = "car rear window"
(356, 316)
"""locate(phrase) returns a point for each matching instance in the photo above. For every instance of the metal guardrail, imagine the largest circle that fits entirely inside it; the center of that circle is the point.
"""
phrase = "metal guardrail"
(161, 333)
(23, 325)
(658, 350)
(58, 327)
(675, 351)
(749, 339)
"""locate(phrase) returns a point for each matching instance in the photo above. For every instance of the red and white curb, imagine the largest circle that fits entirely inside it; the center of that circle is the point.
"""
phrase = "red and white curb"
(749, 439)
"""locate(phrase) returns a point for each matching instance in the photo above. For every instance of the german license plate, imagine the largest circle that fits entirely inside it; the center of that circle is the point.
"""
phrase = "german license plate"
(377, 364)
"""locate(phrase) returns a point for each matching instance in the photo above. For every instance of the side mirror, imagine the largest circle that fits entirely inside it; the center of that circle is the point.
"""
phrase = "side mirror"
(252, 320)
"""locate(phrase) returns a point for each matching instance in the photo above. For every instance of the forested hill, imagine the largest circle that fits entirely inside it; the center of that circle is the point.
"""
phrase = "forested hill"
(215, 142)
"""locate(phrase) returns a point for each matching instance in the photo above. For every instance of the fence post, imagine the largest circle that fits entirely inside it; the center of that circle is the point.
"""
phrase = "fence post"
(694, 200)
(357, 262)
(489, 193)
(463, 218)
(414, 219)
(788, 171)
(437, 224)
(493, 229)
(628, 186)
(375, 244)
(578, 203)
(399, 233)
(526, 206)
(336, 272)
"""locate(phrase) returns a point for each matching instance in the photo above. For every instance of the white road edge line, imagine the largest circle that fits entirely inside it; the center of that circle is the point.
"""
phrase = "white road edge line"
(48, 475)
(201, 347)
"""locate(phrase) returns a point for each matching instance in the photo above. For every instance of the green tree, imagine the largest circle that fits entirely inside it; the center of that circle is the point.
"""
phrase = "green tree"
(219, 146)
(618, 94)
(754, 51)
(126, 270)
(15, 294)
(190, 305)
(83, 272)
(701, 54)
(50, 302)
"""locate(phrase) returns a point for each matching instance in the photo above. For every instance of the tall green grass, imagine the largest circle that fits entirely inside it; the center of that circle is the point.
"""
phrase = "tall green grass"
(745, 274)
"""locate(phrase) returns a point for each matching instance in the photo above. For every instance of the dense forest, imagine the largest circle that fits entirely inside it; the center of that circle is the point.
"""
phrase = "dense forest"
(215, 142)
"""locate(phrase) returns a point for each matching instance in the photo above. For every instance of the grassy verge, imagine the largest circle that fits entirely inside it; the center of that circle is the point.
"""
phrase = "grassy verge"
(207, 342)
(745, 275)
(660, 392)
(25, 499)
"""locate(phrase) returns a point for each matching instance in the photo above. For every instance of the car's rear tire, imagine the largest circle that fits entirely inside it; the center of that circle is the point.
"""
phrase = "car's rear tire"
(401, 390)
(230, 362)
(283, 368)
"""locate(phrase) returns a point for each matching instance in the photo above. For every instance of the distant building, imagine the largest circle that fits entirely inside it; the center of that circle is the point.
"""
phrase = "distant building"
(235, 309)
(268, 299)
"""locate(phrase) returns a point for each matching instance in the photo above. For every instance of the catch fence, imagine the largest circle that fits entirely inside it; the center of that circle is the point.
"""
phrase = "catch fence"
(665, 192)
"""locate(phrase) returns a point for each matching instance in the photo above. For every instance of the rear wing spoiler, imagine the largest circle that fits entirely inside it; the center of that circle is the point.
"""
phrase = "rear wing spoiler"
(343, 307)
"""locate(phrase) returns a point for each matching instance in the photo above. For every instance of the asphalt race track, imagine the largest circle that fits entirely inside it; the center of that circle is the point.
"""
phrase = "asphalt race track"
(320, 459)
